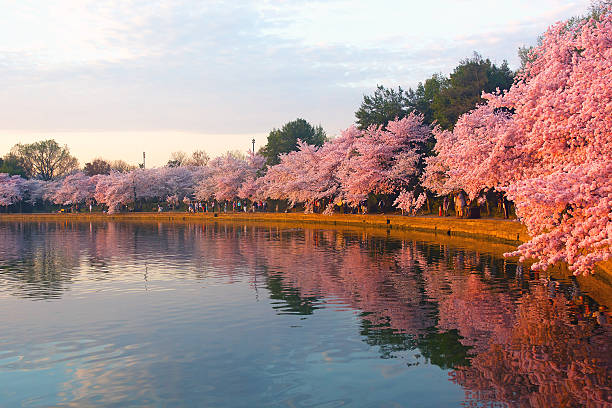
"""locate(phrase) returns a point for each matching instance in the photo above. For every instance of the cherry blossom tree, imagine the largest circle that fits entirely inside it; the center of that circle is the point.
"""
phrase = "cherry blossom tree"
(227, 175)
(10, 191)
(475, 156)
(74, 189)
(179, 181)
(115, 190)
(250, 185)
(310, 174)
(406, 201)
(33, 190)
(383, 160)
(562, 104)
(547, 142)
(294, 178)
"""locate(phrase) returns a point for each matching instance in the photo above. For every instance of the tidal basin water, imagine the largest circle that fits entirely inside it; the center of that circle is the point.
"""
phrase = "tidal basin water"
(224, 315)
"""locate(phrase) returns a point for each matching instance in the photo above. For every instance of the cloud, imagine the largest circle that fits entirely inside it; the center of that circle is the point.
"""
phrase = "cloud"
(237, 67)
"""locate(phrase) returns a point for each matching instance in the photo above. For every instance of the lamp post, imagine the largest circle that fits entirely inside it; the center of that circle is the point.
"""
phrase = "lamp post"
(253, 141)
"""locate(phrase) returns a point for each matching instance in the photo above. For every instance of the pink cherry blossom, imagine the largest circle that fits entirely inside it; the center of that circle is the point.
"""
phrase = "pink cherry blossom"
(383, 160)
(10, 191)
(547, 142)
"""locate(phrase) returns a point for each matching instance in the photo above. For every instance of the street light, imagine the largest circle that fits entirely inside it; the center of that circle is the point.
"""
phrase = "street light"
(253, 141)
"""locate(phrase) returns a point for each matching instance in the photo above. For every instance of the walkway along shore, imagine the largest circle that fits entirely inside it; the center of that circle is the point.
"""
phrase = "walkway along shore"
(509, 231)
(497, 234)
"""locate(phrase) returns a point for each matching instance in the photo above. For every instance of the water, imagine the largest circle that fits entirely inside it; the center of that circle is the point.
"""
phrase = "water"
(114, 314)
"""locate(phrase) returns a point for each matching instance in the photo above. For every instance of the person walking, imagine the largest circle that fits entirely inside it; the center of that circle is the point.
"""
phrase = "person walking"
(457, 206)
(462, 204)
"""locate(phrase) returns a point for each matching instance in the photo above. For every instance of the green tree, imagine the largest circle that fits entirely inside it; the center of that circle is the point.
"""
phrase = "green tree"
(284, 140)
(386, 104)
(97, 166)
(10, 165)
(463, 90)
(421, 98)
(46, 160)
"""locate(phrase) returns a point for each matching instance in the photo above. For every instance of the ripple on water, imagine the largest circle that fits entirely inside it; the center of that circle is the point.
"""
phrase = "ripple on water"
(114, 314)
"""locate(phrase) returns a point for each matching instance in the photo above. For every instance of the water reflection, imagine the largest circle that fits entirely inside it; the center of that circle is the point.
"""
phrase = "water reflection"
(504, 335)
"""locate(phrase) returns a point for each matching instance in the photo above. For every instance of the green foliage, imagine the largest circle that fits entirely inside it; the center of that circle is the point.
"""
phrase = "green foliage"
(284, 140)
(384, 106)
(46, 160)
(421, 99)
(388, 340)
(10, 165)
(438, 99)
(444, 349)
(291, 302)
(463, 90)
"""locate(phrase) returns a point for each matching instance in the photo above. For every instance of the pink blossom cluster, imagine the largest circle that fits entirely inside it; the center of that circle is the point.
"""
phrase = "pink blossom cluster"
(10, 191)
(224, 178)
(406, 201)
(547, 143)
(14, 189)
(349, 168)
(345, 169)
(230, 177)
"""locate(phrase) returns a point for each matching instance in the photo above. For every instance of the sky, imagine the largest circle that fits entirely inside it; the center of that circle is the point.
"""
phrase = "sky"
(115, 78)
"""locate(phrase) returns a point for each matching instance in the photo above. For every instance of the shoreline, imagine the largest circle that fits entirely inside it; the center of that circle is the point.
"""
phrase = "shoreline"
(506, 233)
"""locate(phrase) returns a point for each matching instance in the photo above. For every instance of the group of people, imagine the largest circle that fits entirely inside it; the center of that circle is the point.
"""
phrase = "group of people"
(233, 206)
(462, 209)
(460, 204)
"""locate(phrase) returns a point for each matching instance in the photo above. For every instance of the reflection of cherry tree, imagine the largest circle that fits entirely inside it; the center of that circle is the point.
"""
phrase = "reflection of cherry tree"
(39, 260)
(354, 276)
(478, 313)
(451, 304)
(546, 361)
